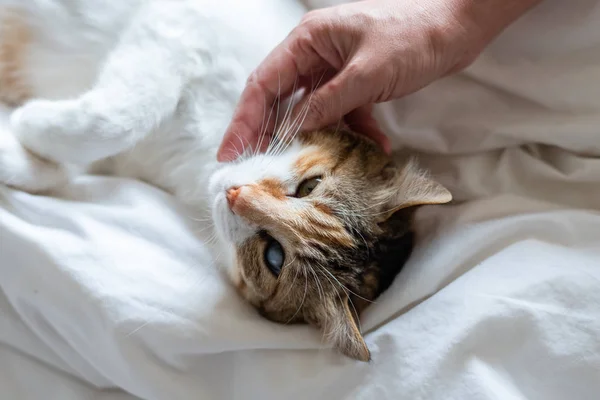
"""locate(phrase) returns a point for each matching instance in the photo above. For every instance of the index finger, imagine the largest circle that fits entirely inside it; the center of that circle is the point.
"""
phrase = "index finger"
(275, 77)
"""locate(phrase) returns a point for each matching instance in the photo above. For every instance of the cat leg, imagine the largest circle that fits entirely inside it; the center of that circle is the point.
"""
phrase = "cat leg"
(138, 87)
(25, 171)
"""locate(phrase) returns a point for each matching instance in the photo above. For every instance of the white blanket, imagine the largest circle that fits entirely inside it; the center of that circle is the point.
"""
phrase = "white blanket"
(107, 292)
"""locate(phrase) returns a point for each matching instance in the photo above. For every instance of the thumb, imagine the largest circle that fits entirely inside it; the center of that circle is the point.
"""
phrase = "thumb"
(330, 102)
(361, 121)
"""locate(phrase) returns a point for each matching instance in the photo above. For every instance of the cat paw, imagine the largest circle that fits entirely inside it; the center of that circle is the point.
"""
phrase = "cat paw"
(79, 131)
(48, 129)
(22, 170)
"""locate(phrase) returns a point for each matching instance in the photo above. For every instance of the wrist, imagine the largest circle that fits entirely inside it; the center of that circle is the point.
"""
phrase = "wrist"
(472, 24)
(488, 18)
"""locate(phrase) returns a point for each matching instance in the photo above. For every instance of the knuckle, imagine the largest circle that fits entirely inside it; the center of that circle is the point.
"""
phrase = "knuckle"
(256, 81)
(335, 86)
(303, 37)
(355, 69)
(311, 24)
(310, 18)
(356, 20)
(366, 78)
(359, 74)
(364, 18)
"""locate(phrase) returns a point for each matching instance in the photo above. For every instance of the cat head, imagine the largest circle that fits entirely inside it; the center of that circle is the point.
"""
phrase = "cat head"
(320, 228)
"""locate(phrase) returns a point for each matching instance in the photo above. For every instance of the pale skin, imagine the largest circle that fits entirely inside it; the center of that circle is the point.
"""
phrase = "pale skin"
(355, 55)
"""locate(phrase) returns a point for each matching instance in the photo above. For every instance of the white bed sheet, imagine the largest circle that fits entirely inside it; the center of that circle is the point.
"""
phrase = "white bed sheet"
(108, 292)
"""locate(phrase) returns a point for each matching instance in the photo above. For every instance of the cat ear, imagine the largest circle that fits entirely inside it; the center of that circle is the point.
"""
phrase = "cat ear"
(409, 186)
(339, 323)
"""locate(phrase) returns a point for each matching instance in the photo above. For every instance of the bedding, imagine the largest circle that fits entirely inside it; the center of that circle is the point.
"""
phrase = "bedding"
(107, 290)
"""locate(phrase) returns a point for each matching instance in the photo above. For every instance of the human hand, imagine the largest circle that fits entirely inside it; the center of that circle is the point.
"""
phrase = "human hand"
(367, 52)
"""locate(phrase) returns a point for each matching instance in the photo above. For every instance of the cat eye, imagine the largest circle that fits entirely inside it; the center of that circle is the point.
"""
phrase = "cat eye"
(307, 186)
(274, 256)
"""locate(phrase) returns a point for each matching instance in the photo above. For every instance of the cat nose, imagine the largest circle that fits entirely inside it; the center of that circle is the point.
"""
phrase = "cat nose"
(232, 194)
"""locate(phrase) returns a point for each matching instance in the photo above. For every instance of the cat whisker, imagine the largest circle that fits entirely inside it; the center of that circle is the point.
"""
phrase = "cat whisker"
(320, 290)
(215, 262)
(332, 332)
(344, 288)
(262, 124)
(237, 151)
(200, 231)
(374, 214)
(291, 286)
(303, 297)
(279, 142)
(279, 101)
(137, 329)
(364, 240)
(358, 212)
(295, 128)
(265, 126)
(287, 124)
(285, 117)
(285, 138)
(200, 219)
(296, 125)
(211, 239)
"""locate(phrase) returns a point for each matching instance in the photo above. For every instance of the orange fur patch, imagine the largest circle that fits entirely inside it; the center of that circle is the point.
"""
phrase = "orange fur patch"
(312, 160)
(15, 36)
(273, 187)
(325, 229)
(322, 207)
(262, 205)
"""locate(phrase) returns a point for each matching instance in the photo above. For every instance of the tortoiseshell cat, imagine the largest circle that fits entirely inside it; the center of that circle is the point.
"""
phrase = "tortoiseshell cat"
(311, 231)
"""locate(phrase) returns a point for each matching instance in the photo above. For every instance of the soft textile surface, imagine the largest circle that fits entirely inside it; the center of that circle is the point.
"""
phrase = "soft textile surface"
(108, 289)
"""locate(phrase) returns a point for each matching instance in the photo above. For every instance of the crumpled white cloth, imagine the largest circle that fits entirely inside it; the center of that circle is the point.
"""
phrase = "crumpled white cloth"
(109, 288)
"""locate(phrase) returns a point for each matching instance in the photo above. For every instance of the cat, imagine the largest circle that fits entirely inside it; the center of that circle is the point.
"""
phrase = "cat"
(311, 231)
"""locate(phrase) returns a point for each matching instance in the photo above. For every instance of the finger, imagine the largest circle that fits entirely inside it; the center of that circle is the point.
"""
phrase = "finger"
(275, 77)
(330, 102)
(361, 121)
(289, 122)
(243, 128)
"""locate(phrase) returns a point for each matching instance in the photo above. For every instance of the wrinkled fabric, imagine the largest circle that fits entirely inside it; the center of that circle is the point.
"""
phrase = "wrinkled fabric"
(108, 291)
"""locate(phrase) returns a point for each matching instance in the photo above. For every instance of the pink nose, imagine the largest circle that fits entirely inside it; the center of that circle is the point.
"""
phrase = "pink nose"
(232, 195)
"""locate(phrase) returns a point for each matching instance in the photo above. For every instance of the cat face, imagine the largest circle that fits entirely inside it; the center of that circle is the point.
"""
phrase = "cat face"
(320, 229)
